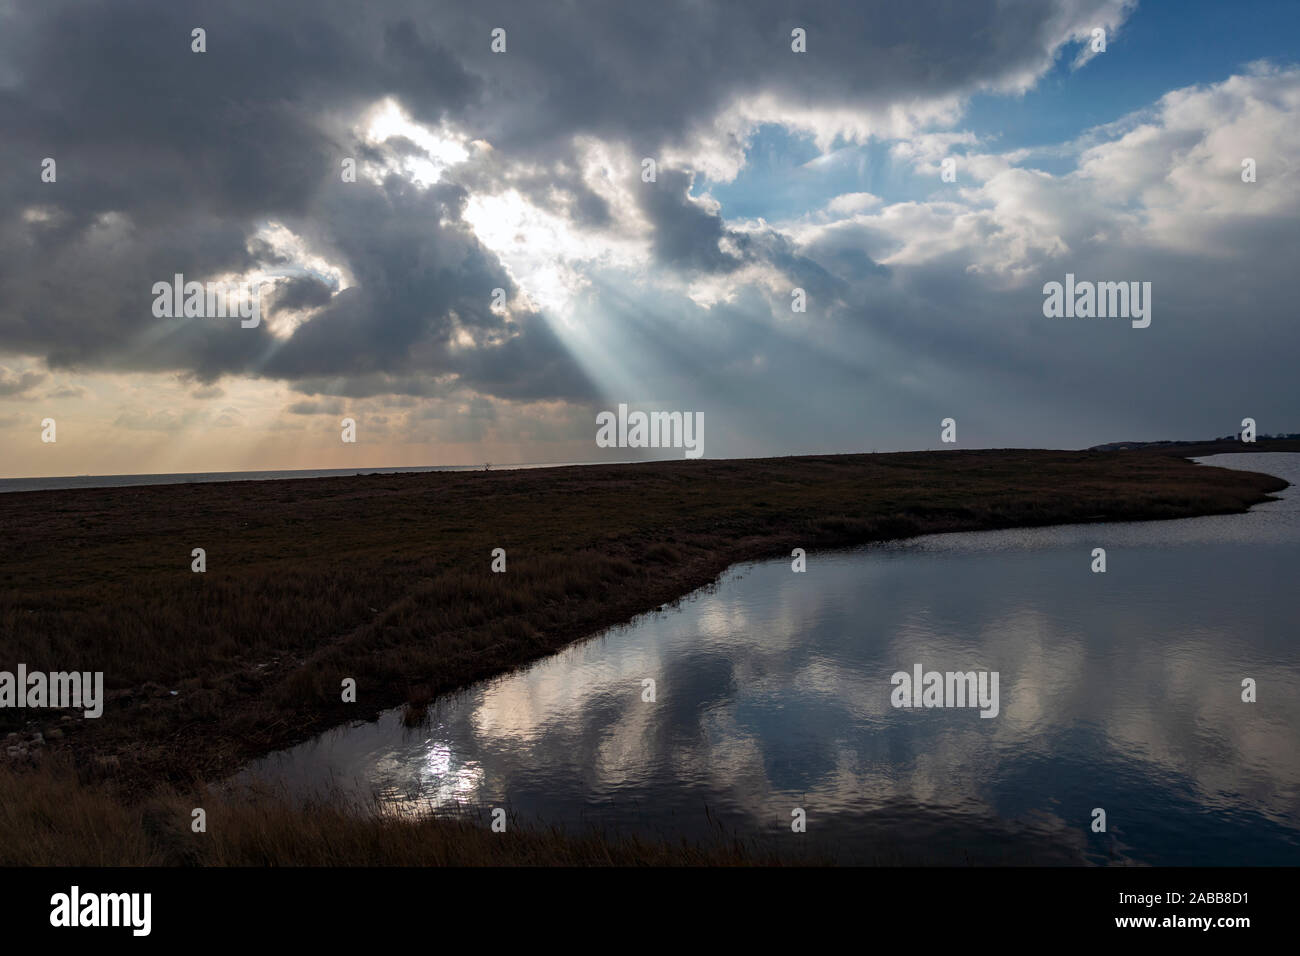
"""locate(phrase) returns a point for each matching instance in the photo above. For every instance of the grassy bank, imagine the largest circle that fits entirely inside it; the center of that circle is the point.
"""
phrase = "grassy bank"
(387, 579)
(49, 817)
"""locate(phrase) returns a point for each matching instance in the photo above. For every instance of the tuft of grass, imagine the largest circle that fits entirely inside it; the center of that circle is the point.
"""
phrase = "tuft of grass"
(417, 707)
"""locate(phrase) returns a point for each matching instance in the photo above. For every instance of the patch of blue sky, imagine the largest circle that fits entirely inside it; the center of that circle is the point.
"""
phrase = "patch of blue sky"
(786, 177)
(1162, 46)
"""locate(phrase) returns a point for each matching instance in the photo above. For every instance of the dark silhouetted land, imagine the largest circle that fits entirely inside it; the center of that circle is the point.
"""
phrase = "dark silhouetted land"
(387, 579)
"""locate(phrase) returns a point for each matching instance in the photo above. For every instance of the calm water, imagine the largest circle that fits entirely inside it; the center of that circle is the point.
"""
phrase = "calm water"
(1119, 690)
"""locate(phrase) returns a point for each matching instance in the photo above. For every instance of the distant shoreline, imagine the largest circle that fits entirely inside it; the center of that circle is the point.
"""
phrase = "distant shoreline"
(69, 482)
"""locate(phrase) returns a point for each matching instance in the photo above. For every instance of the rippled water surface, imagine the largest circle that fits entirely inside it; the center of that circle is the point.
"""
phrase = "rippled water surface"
(1119, 691)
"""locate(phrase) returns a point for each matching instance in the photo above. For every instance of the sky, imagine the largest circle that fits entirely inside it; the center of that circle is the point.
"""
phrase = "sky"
(462, 250)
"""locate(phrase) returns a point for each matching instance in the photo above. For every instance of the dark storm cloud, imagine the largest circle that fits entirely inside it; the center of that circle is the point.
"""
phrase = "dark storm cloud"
(691, 238)
(685, 233)
(644, 73)
(169, 161)
(303, 293)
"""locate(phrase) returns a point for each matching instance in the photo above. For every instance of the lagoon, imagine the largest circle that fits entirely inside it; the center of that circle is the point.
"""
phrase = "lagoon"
(771, 694)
